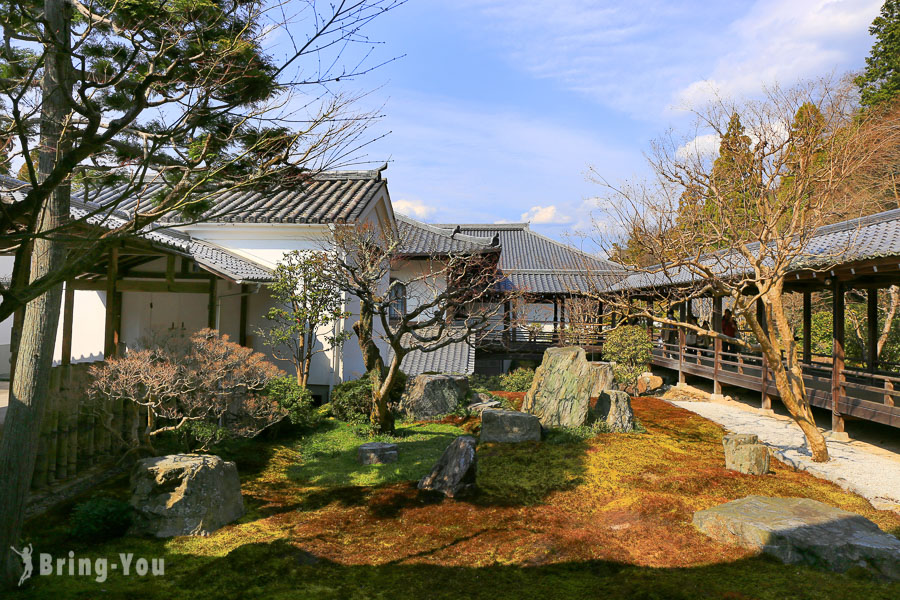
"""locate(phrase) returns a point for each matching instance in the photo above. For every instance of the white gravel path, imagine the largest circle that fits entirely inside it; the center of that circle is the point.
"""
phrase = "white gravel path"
(876, 478)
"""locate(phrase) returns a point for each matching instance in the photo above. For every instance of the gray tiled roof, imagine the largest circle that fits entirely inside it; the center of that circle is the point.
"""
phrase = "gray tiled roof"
(327, 197)
(210, 256)
(421, 239)
(863, 238)
(453, 358)
(524, 249)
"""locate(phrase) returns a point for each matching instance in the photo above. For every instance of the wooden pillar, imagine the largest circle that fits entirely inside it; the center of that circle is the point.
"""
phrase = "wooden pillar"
(681, 342)
(807, 326)
(717, 313)
(555, 316)
(507, 321)
(68, 319)
(872, 324)
(837, 355)
(111, 333)
(242, 332)
(211, 309)
(717, 348)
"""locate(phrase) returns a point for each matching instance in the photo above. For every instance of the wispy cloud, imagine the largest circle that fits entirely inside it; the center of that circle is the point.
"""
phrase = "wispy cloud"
(471, 163)
(647, 56)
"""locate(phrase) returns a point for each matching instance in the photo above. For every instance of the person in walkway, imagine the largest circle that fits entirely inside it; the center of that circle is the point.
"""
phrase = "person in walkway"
(729, 328)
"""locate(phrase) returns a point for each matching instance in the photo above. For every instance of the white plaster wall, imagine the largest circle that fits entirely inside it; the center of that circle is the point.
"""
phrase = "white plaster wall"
(421, 282)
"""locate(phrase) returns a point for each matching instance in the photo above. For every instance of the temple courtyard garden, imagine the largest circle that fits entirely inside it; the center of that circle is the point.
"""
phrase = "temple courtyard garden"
(579, 514)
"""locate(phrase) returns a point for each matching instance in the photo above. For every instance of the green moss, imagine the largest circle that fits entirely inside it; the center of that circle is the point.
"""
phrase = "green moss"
(525, 473)
(329, 455)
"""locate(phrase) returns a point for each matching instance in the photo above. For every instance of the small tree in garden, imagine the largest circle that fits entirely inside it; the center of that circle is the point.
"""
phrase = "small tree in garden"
(456, 299)
(629, 347)
(308, 307)
(202, 383)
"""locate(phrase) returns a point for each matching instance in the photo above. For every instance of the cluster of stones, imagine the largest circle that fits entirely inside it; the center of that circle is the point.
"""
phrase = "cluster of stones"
(570, 391)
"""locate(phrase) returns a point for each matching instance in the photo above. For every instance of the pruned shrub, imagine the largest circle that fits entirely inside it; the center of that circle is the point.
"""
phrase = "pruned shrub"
(100, 518)
(351, 401)
(295, 399)
(518, 380)
(629, 347)
(190, 384)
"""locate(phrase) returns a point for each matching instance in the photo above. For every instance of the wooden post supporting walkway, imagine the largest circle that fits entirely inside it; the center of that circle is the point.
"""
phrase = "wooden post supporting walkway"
(837, 355)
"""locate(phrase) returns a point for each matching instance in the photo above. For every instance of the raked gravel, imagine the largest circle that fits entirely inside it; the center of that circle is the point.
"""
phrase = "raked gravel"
(874, 477)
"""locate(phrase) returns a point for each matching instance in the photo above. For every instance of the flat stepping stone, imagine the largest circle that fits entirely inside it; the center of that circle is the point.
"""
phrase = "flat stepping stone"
(509, 426)
(376, 453)
(803, 531)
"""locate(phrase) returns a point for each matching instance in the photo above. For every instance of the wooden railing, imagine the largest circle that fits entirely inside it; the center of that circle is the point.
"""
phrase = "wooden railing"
(873, 396)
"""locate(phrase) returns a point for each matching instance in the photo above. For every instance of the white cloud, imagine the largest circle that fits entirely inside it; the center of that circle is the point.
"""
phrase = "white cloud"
(413, 208)
(546, 215)
(701, 146)
(783, 42)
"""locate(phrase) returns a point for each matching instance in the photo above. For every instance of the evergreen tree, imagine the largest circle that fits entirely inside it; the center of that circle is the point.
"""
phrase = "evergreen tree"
(177, 92)
(881, 79)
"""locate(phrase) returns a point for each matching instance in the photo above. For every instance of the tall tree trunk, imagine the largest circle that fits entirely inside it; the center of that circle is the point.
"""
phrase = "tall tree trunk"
(382, 417)
(789, 379)
(364, 332)
(28, 395)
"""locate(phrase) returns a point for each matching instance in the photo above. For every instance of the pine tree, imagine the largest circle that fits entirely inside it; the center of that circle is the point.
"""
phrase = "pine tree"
(880, 81)
(177, 92)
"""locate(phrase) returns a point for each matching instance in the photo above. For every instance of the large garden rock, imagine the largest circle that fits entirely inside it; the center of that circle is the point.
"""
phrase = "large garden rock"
(184, 494)
(563, 386)
(744, 454)
(454, 472)
(800, 530)
(428, 396)
(614, 408)
(376, 453)
(509, 426)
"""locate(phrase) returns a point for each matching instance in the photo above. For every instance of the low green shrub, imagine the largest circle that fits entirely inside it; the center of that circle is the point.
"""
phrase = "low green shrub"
(484, 383)
(630, 348)
(100, 518)
(351, 401)
(518, 380)
(295, 399)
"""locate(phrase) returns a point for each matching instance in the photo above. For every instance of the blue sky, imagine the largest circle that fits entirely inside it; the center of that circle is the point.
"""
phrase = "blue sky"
(499, 107)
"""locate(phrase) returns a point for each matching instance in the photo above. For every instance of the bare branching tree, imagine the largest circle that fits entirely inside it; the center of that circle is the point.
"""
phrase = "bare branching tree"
(450, 298)
(737, 224)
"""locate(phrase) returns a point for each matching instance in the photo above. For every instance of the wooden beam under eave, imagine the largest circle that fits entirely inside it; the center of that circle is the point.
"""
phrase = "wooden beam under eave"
(111, 332)
(126, 285)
